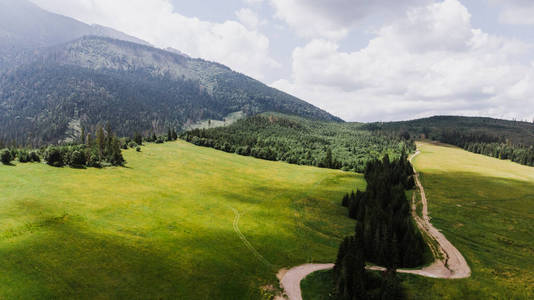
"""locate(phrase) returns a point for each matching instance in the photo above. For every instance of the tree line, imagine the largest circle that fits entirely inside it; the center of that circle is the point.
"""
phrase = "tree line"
(489, 145)
(385, 233)
(92, 149)
(295, 140)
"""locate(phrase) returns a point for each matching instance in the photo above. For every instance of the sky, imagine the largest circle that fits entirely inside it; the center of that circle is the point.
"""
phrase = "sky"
(380, 60)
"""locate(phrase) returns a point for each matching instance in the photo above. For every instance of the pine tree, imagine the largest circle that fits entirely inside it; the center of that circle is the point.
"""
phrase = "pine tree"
(82, 136)
(138, 139)
(116, 158)
(169, 135)
(100, 141)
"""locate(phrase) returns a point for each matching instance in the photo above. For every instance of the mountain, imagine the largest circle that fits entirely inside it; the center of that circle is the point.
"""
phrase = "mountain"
(24, 27)
(94, 80)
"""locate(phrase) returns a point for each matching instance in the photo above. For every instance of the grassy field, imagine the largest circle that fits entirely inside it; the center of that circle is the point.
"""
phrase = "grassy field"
(485, 207)
(318, 286)
(166, 226)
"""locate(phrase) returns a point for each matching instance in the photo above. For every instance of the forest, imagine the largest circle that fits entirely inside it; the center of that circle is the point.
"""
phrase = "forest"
(57, 90)
(503, 139)
(385, 233)
(489, 146)
(300, 141)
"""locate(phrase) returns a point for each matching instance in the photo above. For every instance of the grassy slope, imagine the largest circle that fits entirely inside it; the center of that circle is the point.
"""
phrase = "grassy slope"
(485, 207)
(162, 227)
(318, 286)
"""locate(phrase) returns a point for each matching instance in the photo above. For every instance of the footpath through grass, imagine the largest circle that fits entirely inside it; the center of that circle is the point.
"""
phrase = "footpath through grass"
(485, 207)
(165, 226)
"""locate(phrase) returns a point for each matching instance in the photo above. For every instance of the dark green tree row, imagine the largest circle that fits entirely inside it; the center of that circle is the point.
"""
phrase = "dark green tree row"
(501, 139)
(352, 281)
(385, 233)
(490, 146)
(98, 149)
(299, 141)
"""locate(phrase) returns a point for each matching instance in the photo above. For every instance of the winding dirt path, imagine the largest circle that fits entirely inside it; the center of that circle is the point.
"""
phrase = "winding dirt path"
(449, 264)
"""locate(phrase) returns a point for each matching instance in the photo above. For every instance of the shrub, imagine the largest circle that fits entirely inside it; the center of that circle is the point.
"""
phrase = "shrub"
(34, 157)
(54, 157)
(24, 156)
(132, 145)
(6, 157)
(138, 149)
(77, 159)
(93, 160)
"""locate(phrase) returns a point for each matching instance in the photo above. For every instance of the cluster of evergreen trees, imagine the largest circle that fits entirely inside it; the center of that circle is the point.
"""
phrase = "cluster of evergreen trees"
(385, 233)
(98, 149)
(485, 144)
(95, 150)
(299, 141)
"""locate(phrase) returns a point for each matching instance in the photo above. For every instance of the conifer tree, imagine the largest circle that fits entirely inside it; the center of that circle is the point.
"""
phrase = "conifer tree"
(100, 141)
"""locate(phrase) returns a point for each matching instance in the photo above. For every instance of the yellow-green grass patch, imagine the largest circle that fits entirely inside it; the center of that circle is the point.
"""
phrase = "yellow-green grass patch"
(163, 227)
(485, 207)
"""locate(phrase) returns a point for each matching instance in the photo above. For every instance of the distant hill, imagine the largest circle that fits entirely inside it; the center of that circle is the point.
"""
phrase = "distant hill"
(502, 139)
(92, 80)
(515, 132)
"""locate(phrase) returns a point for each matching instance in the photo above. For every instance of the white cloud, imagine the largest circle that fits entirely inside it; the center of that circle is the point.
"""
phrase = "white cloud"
(156, 22)
(249, 18)
(516, 12)
(333, 19)
(430, 62)
(253, 2)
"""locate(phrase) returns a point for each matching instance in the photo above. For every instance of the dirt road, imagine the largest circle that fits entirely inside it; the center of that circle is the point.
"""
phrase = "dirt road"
(449, 264)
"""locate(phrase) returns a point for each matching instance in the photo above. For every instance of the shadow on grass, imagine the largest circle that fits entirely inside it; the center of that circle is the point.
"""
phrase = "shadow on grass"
(489, 219)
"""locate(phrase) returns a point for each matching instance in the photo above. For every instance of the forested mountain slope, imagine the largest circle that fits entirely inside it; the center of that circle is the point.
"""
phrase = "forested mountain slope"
(25, 27)
(134, 87)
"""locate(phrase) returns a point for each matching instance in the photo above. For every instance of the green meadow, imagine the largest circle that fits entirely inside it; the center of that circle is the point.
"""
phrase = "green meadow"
(485, 207)
(178, 222)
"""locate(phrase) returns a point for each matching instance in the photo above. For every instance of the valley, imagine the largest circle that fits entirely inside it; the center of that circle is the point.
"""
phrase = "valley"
(179, 221)
(266, 150)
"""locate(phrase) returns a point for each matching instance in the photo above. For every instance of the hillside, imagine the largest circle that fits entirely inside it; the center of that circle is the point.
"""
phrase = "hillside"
(484, 206)
(515, 132)
(134, 87)
(200, 224)
(503, 139)
(300, 141)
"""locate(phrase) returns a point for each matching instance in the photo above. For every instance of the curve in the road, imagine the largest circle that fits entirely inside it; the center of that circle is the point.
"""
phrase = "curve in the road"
(449, 264)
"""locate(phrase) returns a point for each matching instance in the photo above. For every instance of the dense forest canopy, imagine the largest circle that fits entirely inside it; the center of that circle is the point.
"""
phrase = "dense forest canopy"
(385, 233)
(297, 140)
